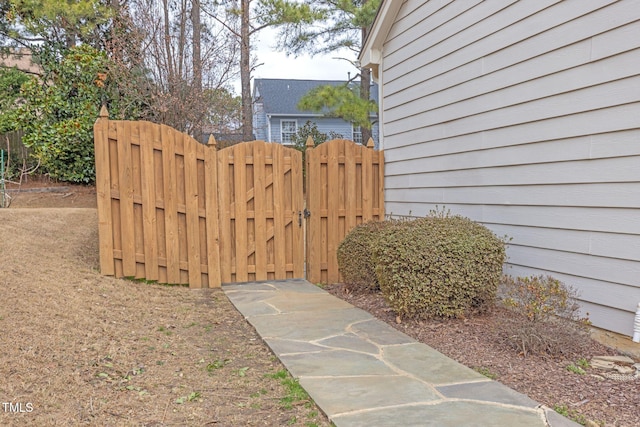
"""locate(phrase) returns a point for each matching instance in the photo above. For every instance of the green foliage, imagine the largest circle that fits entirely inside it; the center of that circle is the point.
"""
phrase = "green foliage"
(54, 22)
(355, 256)
(295, 393)
(58, 114)
(438, 266)
(572, 414)
(547, 318)
(310, 129)
(486, 372)
(340, 101)
(11, 80)
(539, 298)
(325, 27)
(575, 369)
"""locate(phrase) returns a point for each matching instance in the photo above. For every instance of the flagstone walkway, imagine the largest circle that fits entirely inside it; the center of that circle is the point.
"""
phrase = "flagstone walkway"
(362, 372)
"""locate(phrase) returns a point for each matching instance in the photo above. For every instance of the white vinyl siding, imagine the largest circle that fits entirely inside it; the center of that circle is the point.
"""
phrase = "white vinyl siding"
(525, 116)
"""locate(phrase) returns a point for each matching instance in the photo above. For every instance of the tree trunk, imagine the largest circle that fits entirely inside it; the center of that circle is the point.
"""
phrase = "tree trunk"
(197, 66)
(365, 89)
(245, 72)
(167, 44)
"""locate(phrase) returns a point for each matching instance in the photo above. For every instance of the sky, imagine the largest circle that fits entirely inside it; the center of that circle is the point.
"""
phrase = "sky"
(277, 65)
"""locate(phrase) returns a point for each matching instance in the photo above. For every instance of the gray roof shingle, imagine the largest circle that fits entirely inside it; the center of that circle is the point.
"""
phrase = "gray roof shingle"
(281, 96)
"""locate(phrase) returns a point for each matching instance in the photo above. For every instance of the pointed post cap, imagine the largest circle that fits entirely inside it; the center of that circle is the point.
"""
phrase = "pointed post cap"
(104, 113)
(370, 143)
(310, 143)
(212, 141)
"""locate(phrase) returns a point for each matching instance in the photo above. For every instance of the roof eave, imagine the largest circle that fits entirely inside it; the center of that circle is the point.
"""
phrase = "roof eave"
(371, 52)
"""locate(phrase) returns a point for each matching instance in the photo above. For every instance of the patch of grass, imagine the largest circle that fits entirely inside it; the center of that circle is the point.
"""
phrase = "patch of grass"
(570, 413)
(575, 369)
(257, 394)
(164, 330)
(295, 392)
(242, 372)
(216, 364)
(192, 397)
(583, 363)
(486, 372)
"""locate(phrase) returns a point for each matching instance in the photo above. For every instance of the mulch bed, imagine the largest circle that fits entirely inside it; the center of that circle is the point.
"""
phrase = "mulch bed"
(474, 342)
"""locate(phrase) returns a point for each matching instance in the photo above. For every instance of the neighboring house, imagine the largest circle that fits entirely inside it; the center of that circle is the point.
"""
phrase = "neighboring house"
(525, 116)
(276, 117)
(22, 59)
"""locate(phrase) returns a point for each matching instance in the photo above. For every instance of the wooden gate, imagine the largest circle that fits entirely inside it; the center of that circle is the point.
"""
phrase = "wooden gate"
(173, 210)
(260, 195)
(157, 203)
(345, 184)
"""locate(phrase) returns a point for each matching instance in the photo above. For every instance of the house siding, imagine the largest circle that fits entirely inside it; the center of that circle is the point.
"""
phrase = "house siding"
(324, 124)
(525, 116)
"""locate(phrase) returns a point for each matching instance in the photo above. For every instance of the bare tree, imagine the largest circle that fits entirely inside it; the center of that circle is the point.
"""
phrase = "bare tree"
(188, 58)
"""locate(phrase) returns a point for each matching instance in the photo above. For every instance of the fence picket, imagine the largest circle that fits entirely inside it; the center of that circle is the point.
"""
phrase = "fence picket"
(126, 201)
(192, 214)
(170, 205)
(278, 214)
(103, 192)
(297, 203)
(212, 214)
(148, 133)
(240, 223)
(260, 209)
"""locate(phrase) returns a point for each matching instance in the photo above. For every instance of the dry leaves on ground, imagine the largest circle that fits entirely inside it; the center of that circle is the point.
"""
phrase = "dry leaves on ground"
(84, 349)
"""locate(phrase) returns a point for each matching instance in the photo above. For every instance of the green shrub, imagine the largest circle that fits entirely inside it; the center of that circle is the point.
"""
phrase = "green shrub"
(438, 266)
(546, 316)
(355, 256)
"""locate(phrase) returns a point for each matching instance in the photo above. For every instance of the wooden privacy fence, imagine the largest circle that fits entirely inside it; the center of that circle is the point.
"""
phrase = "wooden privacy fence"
(176, 211)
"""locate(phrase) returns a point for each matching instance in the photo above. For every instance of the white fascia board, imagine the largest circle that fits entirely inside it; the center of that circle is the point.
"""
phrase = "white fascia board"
(371, 52)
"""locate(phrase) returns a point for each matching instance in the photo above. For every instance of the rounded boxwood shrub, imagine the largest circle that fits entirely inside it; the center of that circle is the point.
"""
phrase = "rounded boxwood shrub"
(355, 256)
(438, 266)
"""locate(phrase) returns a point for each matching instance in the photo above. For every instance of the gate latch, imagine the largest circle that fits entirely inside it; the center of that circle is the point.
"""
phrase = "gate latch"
(306, 213)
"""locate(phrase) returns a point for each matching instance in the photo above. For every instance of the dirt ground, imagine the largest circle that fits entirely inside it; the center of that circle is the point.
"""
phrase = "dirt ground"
(81, 348)
(78, 348)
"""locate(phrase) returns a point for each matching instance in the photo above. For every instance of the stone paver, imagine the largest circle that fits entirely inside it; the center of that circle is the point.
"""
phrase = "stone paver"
(362, 372)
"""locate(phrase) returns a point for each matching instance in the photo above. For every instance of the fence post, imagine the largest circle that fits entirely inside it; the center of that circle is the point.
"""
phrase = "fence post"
(103, 192)
(212, 214)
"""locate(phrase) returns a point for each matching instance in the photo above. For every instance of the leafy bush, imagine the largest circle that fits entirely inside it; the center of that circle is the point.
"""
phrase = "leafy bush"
(547, 318)
(438, 266)
(57, 116)
(355, 256)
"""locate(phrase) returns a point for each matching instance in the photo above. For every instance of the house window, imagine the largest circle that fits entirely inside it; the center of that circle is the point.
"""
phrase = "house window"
(288, 129)
(357, 134)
